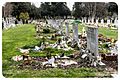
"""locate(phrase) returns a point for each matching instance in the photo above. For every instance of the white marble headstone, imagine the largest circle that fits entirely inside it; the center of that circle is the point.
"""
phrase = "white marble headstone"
(96, 21)
(92, 21)
(88, 21)
(85, 19)
(102, 21)
(116, 22)
(108, 22)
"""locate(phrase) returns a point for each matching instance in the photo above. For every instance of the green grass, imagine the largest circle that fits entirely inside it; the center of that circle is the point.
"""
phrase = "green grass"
(24, 35)
(109, 33)
(52, 72)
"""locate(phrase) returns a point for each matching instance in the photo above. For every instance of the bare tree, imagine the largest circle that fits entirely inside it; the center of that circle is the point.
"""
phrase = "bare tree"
(8, 9)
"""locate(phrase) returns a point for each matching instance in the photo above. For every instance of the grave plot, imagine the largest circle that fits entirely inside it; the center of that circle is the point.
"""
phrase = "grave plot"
(87, 57)
(66, 51)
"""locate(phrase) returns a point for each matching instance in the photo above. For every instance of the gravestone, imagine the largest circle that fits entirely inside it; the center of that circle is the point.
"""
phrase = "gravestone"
(108, 22)
(88, 21)
(116, 22)
(85, 20)
(82, 20)
(67, 28)
(102, 21)
(75, 30)
(92, 21)
(92, 39)
(96, 21)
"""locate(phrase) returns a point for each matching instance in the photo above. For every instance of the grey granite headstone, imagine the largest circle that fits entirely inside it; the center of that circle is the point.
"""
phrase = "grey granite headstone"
(67, 28)
(75, 31)
(92, 39)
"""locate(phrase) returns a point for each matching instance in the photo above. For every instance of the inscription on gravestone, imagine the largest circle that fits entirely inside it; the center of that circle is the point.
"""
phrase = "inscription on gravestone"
(92, 39)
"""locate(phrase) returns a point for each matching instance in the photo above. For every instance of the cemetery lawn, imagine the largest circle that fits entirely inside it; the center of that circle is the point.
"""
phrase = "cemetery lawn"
(25, 35)
(110, 33)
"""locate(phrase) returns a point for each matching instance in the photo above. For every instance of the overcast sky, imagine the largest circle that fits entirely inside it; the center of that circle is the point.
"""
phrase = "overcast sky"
(69, 4)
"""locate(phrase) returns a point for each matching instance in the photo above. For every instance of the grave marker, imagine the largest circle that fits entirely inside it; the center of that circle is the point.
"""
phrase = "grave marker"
(102, 21)
(116, 22)
(67, 28)
(82, 20)
(75, 30)
(108, 22)
(96, 21)
(92, 21)
(85, 20)
(92, 39)
(88, 21)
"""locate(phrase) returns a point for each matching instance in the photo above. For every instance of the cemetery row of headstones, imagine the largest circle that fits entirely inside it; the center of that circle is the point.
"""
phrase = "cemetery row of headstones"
(9, 22)
(102, 21)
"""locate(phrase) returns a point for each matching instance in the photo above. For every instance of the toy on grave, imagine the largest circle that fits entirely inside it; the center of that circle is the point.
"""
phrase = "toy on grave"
(46, 30)
(38, 29)
(53, 37)
(84, 33)
(27, 59)
(37, 48)
(43, 46)
(49, 63)
(74, 44)
(87, 58)
(17, 58)
(48, 55)
(75, 55)
(23, 50)
(59, 41)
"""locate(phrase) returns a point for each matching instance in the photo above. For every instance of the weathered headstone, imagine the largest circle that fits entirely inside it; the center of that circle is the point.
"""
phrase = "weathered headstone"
(116, 22)
(67, 28)
(75, 30)
(96, 21)
(88, 21)
(92, 21)
(92, 39)
(108, 21)
(85, 20)
(102, 21)
(82, 20)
